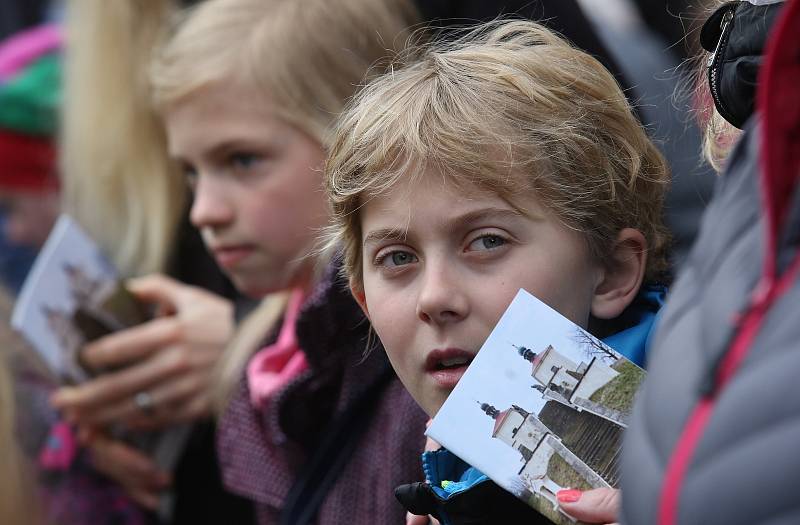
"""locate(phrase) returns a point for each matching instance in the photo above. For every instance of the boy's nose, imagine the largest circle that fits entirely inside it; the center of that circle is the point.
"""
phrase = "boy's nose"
(210, 207)
(441, 299)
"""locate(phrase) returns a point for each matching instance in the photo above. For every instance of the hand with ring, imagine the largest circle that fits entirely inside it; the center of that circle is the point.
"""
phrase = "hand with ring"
(162, 369)
(144, 402)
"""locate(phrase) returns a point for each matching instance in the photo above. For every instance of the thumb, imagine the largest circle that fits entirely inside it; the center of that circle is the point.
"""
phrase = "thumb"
(157, 288)
(412, 519)
(593, 506)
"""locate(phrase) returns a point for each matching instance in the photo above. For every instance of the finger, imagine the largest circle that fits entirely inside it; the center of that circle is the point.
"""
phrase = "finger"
(431, 444)
(86, 435)
(190, 410)
(171, 402)
(126, 465)
(593, 506)
(145, 498)
(80, 401)
(165, 291)
(131, 345)
(413, 519)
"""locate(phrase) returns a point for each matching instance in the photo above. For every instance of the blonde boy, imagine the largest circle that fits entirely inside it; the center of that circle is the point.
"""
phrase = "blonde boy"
(507, 159)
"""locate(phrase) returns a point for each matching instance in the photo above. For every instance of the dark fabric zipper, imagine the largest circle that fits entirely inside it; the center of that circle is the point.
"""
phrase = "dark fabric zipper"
(714, 64)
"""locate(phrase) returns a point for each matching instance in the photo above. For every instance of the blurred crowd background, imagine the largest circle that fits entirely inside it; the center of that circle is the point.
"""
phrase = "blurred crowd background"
(650, 45)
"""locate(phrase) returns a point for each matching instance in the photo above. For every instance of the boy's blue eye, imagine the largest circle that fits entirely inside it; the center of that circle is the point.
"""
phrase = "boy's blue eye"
(487, 242)
(398, 258)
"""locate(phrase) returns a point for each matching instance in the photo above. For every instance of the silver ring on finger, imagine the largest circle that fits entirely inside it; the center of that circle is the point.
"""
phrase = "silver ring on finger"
(144, 402)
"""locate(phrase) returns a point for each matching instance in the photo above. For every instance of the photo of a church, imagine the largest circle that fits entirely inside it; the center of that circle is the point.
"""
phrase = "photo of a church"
(573, 441)
(542, 408)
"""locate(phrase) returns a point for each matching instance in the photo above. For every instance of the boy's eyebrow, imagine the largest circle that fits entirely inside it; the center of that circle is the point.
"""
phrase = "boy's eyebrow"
(455, 224)
(383, 234)
(483, 213)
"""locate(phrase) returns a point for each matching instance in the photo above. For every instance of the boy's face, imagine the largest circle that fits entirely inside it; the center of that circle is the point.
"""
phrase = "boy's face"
(258, 197)
(442, 264)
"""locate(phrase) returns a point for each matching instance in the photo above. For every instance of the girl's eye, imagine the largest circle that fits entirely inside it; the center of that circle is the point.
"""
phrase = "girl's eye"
(243, 161)
(190, 176)
(397, 258)
(486, 242)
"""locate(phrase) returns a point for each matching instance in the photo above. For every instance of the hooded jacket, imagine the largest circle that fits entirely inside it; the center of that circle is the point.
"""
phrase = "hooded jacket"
(714, 434)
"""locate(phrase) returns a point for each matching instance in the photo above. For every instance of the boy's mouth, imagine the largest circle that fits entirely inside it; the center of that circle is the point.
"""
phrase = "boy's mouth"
(446, 366)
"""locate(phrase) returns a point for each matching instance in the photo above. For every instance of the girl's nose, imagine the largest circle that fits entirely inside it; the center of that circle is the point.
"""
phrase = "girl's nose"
(210, 207)
(442, 299)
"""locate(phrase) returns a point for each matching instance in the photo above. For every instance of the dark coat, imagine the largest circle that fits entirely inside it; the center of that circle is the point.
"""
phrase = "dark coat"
(715, 431)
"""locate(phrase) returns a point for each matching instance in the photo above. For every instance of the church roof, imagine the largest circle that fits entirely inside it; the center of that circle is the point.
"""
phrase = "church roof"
(498, 422)
(539, 358)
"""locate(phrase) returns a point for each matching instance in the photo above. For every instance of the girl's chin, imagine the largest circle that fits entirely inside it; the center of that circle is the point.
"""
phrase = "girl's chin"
(253, 288)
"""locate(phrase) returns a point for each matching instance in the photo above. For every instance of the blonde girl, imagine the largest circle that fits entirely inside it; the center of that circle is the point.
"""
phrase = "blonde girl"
(249, 90)
(120, 184)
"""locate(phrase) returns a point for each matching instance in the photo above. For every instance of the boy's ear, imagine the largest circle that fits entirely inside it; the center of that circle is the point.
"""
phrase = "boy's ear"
(358, 293)
(622, 276)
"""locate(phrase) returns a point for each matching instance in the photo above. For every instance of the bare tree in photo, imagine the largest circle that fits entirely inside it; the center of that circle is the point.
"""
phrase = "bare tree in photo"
(592, 347)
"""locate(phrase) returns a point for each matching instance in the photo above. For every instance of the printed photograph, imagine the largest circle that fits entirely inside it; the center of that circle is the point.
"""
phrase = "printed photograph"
(72, 296)
(542, 407)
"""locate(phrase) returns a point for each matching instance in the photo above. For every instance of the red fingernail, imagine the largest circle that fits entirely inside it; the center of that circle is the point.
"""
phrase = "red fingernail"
(568, 495)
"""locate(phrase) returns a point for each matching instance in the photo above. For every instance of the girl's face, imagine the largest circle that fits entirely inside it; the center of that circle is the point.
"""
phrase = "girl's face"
(441, 265)
(257, 182)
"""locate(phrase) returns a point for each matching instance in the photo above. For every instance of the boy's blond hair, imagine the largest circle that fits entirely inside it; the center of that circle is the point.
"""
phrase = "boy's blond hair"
(307, 56)
(511, 108)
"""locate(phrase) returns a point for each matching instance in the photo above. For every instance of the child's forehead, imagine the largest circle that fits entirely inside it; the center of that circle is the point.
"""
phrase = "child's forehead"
(448, 192)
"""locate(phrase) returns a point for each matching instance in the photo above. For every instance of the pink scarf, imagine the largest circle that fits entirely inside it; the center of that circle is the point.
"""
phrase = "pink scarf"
(274, 365)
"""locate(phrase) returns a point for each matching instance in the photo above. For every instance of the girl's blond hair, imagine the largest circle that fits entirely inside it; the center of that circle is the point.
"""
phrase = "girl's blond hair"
(510, 108)
(719, 135)
(117, 179)
(307, 57)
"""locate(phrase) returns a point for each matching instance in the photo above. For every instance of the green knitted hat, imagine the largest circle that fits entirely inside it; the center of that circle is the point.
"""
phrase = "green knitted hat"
(29, 101)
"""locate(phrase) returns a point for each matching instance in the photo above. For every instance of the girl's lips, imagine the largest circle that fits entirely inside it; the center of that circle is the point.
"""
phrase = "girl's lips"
(229, 257)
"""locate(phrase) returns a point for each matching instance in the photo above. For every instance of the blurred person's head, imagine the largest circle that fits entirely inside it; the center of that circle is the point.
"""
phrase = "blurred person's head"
(249, 90)
(734, 37)
(17, 496)
(30, 88)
